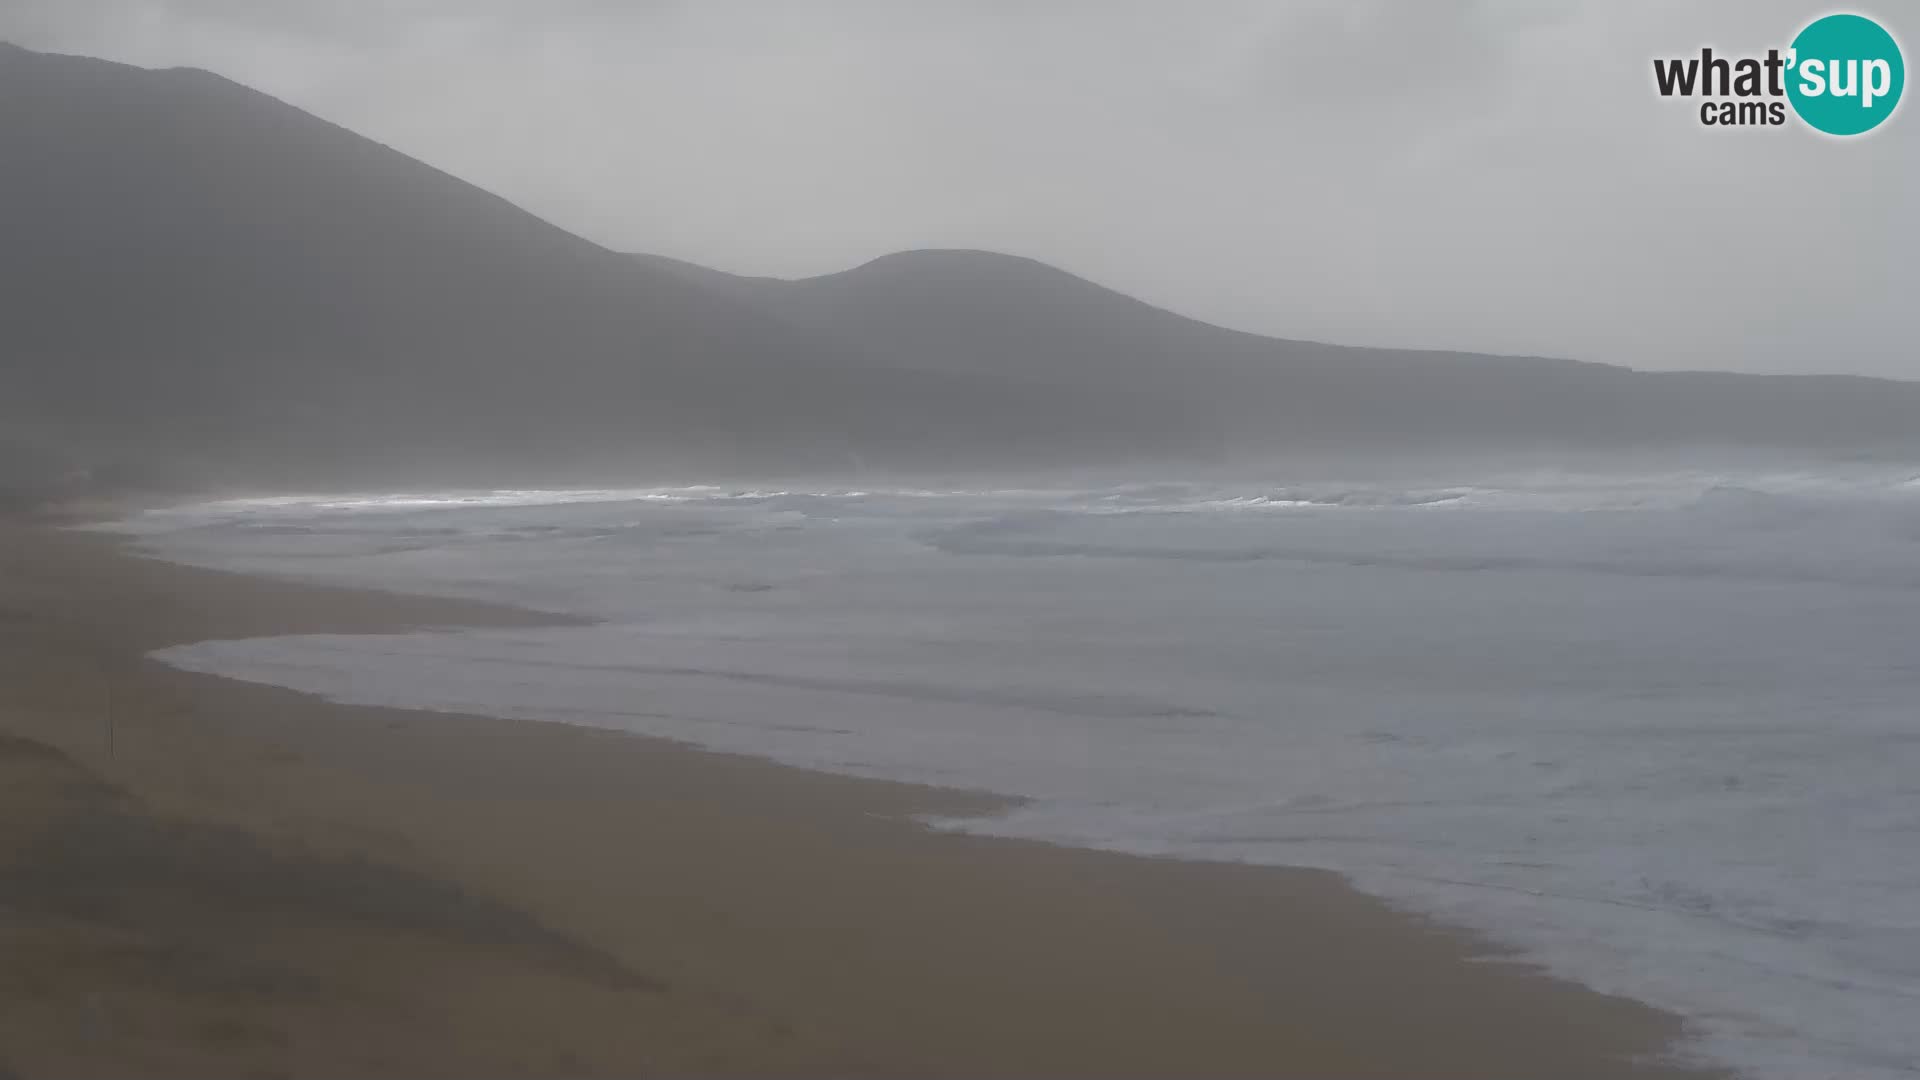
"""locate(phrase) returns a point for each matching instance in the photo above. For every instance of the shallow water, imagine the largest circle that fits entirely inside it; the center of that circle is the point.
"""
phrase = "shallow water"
(1661, 731)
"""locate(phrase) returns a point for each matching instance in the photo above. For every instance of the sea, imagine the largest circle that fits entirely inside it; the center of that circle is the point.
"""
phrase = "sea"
(1656, 729)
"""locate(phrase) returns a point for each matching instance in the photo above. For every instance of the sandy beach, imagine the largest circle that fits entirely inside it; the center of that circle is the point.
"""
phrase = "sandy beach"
(201, 877)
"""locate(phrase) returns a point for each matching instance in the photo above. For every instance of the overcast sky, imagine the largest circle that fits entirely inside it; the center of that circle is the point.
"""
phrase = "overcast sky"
(1493, 176)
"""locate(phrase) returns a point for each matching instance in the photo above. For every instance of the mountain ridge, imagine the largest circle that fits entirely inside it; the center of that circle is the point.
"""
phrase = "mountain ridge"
(274, 294)
(699, 271)
(202, 279)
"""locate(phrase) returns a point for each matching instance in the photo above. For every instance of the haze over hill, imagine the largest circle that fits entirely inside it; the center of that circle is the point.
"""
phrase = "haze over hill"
(217, 286)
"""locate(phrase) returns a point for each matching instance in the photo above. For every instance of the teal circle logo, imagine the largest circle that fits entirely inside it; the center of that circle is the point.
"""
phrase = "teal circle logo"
(1845, 74)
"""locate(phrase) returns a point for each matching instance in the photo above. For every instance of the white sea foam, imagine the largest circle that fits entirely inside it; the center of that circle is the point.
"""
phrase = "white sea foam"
(1662, 732)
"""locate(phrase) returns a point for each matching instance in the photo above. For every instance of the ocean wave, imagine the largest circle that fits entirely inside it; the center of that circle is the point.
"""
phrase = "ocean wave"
(1615, 721)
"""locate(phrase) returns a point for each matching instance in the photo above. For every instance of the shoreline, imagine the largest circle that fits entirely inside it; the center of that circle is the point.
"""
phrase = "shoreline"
(644, 906)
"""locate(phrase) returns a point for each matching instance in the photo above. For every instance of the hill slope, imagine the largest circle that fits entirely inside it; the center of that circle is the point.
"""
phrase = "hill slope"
(979, 312)
(195, 269)
(199, 279)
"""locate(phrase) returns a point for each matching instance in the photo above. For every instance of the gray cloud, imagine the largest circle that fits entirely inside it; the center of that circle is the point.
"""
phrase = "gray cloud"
(1493, 176)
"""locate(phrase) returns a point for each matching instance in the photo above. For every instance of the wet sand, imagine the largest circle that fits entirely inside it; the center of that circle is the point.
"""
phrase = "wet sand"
(200, 877)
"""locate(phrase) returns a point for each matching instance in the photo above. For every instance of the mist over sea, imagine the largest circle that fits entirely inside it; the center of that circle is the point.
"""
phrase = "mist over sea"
(1657, 729)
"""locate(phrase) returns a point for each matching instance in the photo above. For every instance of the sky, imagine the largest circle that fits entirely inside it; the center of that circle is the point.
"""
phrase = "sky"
(1484, 176)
